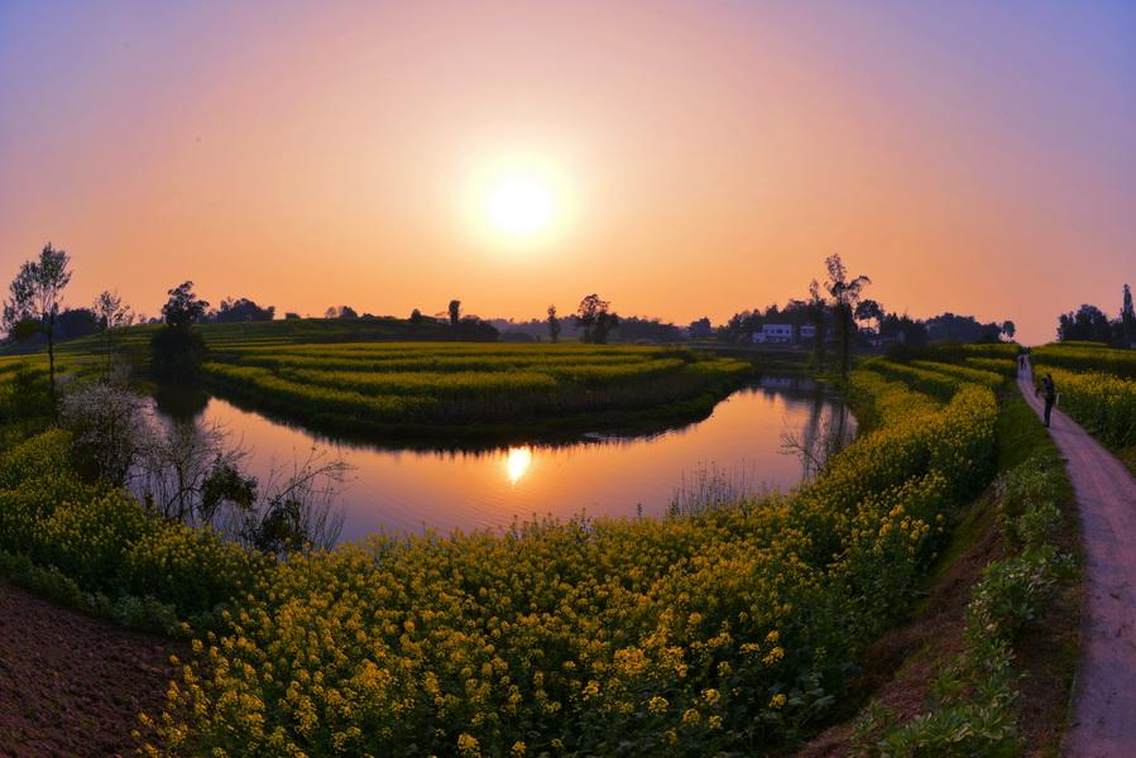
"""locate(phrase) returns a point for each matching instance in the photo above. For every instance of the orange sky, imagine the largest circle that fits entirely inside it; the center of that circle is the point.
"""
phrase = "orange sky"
(707, 155)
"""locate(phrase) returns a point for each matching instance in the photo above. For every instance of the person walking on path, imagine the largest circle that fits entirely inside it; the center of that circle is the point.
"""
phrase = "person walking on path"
(1050, 390)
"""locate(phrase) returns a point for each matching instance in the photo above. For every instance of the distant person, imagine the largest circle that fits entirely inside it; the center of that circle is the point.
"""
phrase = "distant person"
(1050, 391)
(1021, 361)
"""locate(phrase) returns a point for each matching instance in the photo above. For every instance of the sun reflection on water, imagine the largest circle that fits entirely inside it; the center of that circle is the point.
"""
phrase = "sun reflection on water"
(517, 463)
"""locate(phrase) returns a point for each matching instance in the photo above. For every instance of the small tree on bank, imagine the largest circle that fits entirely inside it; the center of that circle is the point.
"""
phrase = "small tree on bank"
(454, 311)
(178, 350)
(112, 316)
(844, 294)
(36, 293)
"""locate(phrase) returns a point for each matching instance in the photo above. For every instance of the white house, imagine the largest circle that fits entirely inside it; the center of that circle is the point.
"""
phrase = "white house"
(774, 334)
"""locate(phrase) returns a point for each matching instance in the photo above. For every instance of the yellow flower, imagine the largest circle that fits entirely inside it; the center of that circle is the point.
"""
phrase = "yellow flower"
(657, 704)
(777, 700)
(468, 744)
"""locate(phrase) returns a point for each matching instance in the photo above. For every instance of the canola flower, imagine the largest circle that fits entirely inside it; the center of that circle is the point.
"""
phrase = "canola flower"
(714, 631)
(400, 386)
(1105, 404)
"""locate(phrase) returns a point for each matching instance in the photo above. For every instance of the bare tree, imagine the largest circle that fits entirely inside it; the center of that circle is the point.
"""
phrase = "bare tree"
(296, 511)
(181, 468)
(113, 316)
(189, 473)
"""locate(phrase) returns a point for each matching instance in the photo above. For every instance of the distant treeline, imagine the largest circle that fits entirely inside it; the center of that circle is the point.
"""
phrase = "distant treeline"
(1090, 323)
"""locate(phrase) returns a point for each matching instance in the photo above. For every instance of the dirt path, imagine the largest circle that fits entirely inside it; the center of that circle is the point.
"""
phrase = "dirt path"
(71, 685)
(1104, 710)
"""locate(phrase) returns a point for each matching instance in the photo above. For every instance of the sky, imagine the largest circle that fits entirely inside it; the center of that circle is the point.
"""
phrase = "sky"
(688, 158)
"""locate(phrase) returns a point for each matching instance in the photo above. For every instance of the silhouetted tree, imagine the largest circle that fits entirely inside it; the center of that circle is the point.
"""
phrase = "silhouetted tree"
(740, 327)
(455, 312)
(184, 308)
(700, 329)
(633, 328)
(178, 350)
(73, 323)
(845, 296)
(595, 318)
(290, 316)
(1127, 320)
(952, 327)
(243, 309)
(473, 329)
(36, 293)
(113, 315)
(416, 316)
(347, 312)
(1009, 329)
(553, 324)
(815, 309)
(1086, 323)
(903, 330)
(870, 310)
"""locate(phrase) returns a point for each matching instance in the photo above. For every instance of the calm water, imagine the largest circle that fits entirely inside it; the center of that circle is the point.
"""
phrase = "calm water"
(742, 443)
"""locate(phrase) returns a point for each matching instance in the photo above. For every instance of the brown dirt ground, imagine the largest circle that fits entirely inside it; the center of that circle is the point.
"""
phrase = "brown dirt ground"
(73, 685)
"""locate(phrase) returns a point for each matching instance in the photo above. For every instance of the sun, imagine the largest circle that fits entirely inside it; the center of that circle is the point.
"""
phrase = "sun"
(520, 205)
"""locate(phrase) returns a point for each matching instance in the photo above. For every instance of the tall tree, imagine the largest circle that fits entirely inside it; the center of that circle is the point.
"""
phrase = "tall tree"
(1128, 319)
(845, 296)
(1009, 328)
(36, 293)
(553, 324)
(1086, 323)
(595, 318)
(815, 309)
(455, 310)
(113, 315)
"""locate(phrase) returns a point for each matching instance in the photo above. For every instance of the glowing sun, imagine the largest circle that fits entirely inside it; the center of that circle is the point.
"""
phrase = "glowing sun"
(520, 205)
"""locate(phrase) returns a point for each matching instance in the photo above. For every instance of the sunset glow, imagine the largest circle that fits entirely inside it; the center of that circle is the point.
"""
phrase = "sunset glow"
(520, 206)
(395, 156)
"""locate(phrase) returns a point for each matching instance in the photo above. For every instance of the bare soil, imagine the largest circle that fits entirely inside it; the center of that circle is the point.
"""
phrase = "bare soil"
(71, 685)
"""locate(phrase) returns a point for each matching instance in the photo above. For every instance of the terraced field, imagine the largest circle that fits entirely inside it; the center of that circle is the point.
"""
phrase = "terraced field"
(471, 390)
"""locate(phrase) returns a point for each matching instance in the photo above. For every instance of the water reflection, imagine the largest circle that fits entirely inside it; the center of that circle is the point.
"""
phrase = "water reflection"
(517, 462)
(400, 491)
